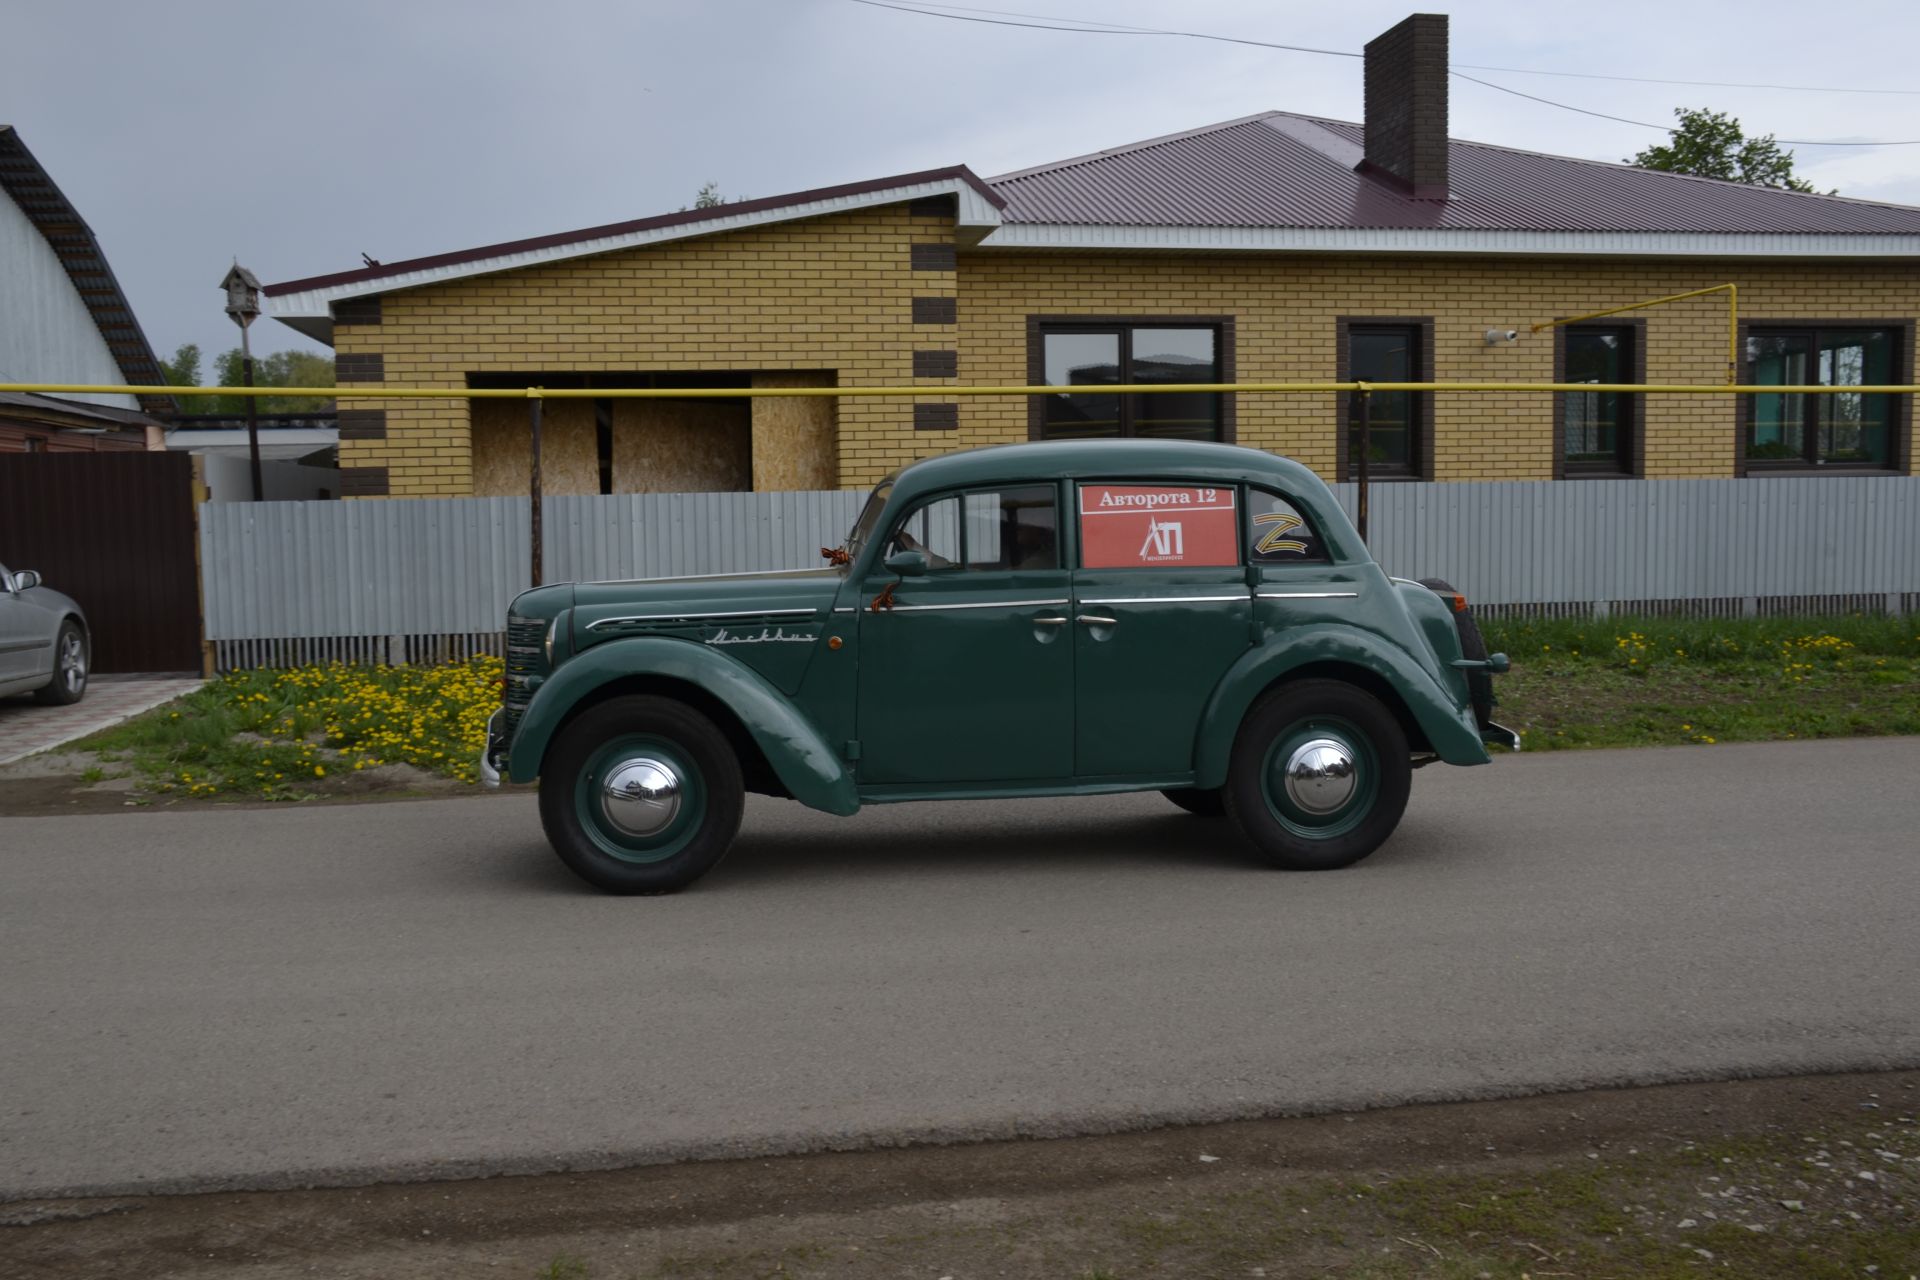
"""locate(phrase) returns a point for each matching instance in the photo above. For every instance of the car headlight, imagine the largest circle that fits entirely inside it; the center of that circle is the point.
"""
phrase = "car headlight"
(553, 633)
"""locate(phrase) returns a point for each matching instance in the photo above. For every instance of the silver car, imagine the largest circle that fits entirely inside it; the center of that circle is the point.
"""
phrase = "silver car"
(44, 645)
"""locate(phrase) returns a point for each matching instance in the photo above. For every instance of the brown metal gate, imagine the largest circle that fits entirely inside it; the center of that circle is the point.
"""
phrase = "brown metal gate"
(114, 531)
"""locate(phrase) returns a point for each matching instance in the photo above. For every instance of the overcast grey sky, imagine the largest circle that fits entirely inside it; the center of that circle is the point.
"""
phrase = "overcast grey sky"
(297, 136)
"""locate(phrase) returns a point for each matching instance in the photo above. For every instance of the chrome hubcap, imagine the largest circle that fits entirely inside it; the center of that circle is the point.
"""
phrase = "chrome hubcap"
(1319, 776)
(640, 796)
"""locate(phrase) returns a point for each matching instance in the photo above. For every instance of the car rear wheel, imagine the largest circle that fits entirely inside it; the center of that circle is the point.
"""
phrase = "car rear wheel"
(70, 668)
(1319, 775)
(1202, 802)
(641, 795)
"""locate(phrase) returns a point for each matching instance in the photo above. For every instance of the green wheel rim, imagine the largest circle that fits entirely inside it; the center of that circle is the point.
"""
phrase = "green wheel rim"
(627, 846)
(1305, 823)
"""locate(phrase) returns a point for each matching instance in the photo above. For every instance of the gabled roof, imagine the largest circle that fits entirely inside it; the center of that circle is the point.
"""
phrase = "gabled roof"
(79, 252)
(307, 304)
(1277, 169)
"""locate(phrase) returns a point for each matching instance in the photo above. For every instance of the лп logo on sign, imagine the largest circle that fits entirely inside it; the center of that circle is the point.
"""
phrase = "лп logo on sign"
(1165, 541)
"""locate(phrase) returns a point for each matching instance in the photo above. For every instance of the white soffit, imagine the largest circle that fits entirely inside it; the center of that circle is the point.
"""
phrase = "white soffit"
(1648, 244)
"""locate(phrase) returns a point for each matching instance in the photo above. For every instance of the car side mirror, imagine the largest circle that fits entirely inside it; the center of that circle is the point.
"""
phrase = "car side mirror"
(25, 580)
(908, 564)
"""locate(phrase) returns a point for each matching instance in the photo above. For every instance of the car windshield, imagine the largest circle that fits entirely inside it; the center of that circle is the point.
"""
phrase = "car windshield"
(869, 517)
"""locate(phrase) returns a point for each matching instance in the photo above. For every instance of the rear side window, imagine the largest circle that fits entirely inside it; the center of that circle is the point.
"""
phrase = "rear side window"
(1278, 534)
(1150, 526)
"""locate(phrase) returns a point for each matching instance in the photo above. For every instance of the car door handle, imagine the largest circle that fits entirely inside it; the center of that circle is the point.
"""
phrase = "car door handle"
(1049, 622)
(1095, 620)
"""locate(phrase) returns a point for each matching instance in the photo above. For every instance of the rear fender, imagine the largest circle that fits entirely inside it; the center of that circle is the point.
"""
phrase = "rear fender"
(805, 764)
(1447, 724)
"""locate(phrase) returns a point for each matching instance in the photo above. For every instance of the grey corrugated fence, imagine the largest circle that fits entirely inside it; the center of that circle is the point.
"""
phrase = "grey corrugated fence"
(409, 579)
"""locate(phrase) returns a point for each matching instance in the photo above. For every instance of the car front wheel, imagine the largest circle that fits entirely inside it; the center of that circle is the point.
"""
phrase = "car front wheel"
(641, 795)
(70, 663)
(1319, 775)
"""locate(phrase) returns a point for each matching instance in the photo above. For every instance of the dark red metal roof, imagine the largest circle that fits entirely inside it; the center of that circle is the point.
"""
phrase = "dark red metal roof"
(1280, 170)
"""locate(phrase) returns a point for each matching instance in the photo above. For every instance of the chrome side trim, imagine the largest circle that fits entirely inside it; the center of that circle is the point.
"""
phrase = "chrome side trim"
(684, 577)
(1242, 596)
(1308, 595)
(985, 604)
(605, 623)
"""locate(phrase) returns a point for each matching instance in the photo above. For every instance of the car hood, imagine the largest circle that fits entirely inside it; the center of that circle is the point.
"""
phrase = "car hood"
(651, 604)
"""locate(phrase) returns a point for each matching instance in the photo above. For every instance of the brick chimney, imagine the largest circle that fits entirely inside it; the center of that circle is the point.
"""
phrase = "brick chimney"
(1406, 112)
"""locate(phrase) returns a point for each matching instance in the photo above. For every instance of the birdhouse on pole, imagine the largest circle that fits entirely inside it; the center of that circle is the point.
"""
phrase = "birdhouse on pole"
(243, 295)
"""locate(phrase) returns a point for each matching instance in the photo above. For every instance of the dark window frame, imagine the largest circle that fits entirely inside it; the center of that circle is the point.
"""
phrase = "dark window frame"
(1421, 464)
(1633, 453)
(1039, 326)
(1898, 422)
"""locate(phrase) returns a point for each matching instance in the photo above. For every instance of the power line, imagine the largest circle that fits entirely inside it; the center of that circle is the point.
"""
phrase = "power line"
(1102, 27)
(1667, 128)
(1047, 23)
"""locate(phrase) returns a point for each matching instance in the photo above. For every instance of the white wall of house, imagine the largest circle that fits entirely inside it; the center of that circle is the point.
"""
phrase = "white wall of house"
(46, 332)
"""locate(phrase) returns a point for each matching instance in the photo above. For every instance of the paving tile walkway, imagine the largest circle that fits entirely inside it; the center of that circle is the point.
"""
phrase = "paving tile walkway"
(27, 727)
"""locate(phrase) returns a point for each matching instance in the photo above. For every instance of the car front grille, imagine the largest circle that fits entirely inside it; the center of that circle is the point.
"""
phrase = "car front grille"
(526, 657)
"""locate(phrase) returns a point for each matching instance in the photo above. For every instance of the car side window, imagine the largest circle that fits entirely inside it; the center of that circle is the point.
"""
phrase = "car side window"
(998, 529)
(1278, 534)
(1156, 526)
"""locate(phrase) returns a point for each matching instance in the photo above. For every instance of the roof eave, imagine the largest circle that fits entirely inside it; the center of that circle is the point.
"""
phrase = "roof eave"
(1501, 242)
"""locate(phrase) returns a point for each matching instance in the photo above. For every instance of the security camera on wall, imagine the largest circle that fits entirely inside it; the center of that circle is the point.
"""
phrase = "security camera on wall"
(1500, 337)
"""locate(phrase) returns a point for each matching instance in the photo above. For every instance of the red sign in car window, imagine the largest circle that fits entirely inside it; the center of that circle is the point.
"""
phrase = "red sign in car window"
(1155, 526)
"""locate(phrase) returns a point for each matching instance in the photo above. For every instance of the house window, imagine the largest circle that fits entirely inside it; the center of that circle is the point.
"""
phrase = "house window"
(1846, 429)
(1386, 353)
(1597, 427)
(36, 444)
(1095, 355)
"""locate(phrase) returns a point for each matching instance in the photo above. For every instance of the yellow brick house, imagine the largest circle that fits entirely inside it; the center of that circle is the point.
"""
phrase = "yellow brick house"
(1273, 248)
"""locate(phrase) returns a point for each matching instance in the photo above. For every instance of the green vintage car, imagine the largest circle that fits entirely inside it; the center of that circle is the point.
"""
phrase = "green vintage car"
(1063, 618)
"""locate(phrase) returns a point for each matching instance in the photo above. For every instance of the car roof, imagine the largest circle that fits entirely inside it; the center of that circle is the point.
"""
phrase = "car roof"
(1118, 459)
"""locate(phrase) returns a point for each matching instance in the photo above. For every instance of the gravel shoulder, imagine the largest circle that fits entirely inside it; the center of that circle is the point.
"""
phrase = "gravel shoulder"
(1804, 1176)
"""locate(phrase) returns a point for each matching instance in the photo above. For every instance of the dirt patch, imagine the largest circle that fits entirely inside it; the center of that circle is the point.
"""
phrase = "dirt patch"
(80, 782)
(1807, 1177)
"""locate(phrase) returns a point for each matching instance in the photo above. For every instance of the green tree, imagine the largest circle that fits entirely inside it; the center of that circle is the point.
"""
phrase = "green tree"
(709, 196)
(184, 371)
(1711, 144)
(280, 369)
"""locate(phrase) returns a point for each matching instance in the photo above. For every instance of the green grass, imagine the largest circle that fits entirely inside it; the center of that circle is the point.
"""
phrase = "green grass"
(1632, 682)
(282, 734)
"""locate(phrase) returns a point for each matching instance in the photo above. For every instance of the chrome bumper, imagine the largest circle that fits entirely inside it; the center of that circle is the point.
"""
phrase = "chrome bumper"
(1500, 734)
(496, 748)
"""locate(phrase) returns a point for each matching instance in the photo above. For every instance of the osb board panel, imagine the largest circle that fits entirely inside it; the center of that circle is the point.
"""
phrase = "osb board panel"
(569, 448)
(682, 446)
(793, 440)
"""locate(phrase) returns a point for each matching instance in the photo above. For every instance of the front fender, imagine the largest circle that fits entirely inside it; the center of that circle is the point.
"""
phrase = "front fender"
(800, 757)
(1448, 726)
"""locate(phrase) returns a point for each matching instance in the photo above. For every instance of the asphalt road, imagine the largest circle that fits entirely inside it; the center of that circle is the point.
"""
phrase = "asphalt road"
(265, 998)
